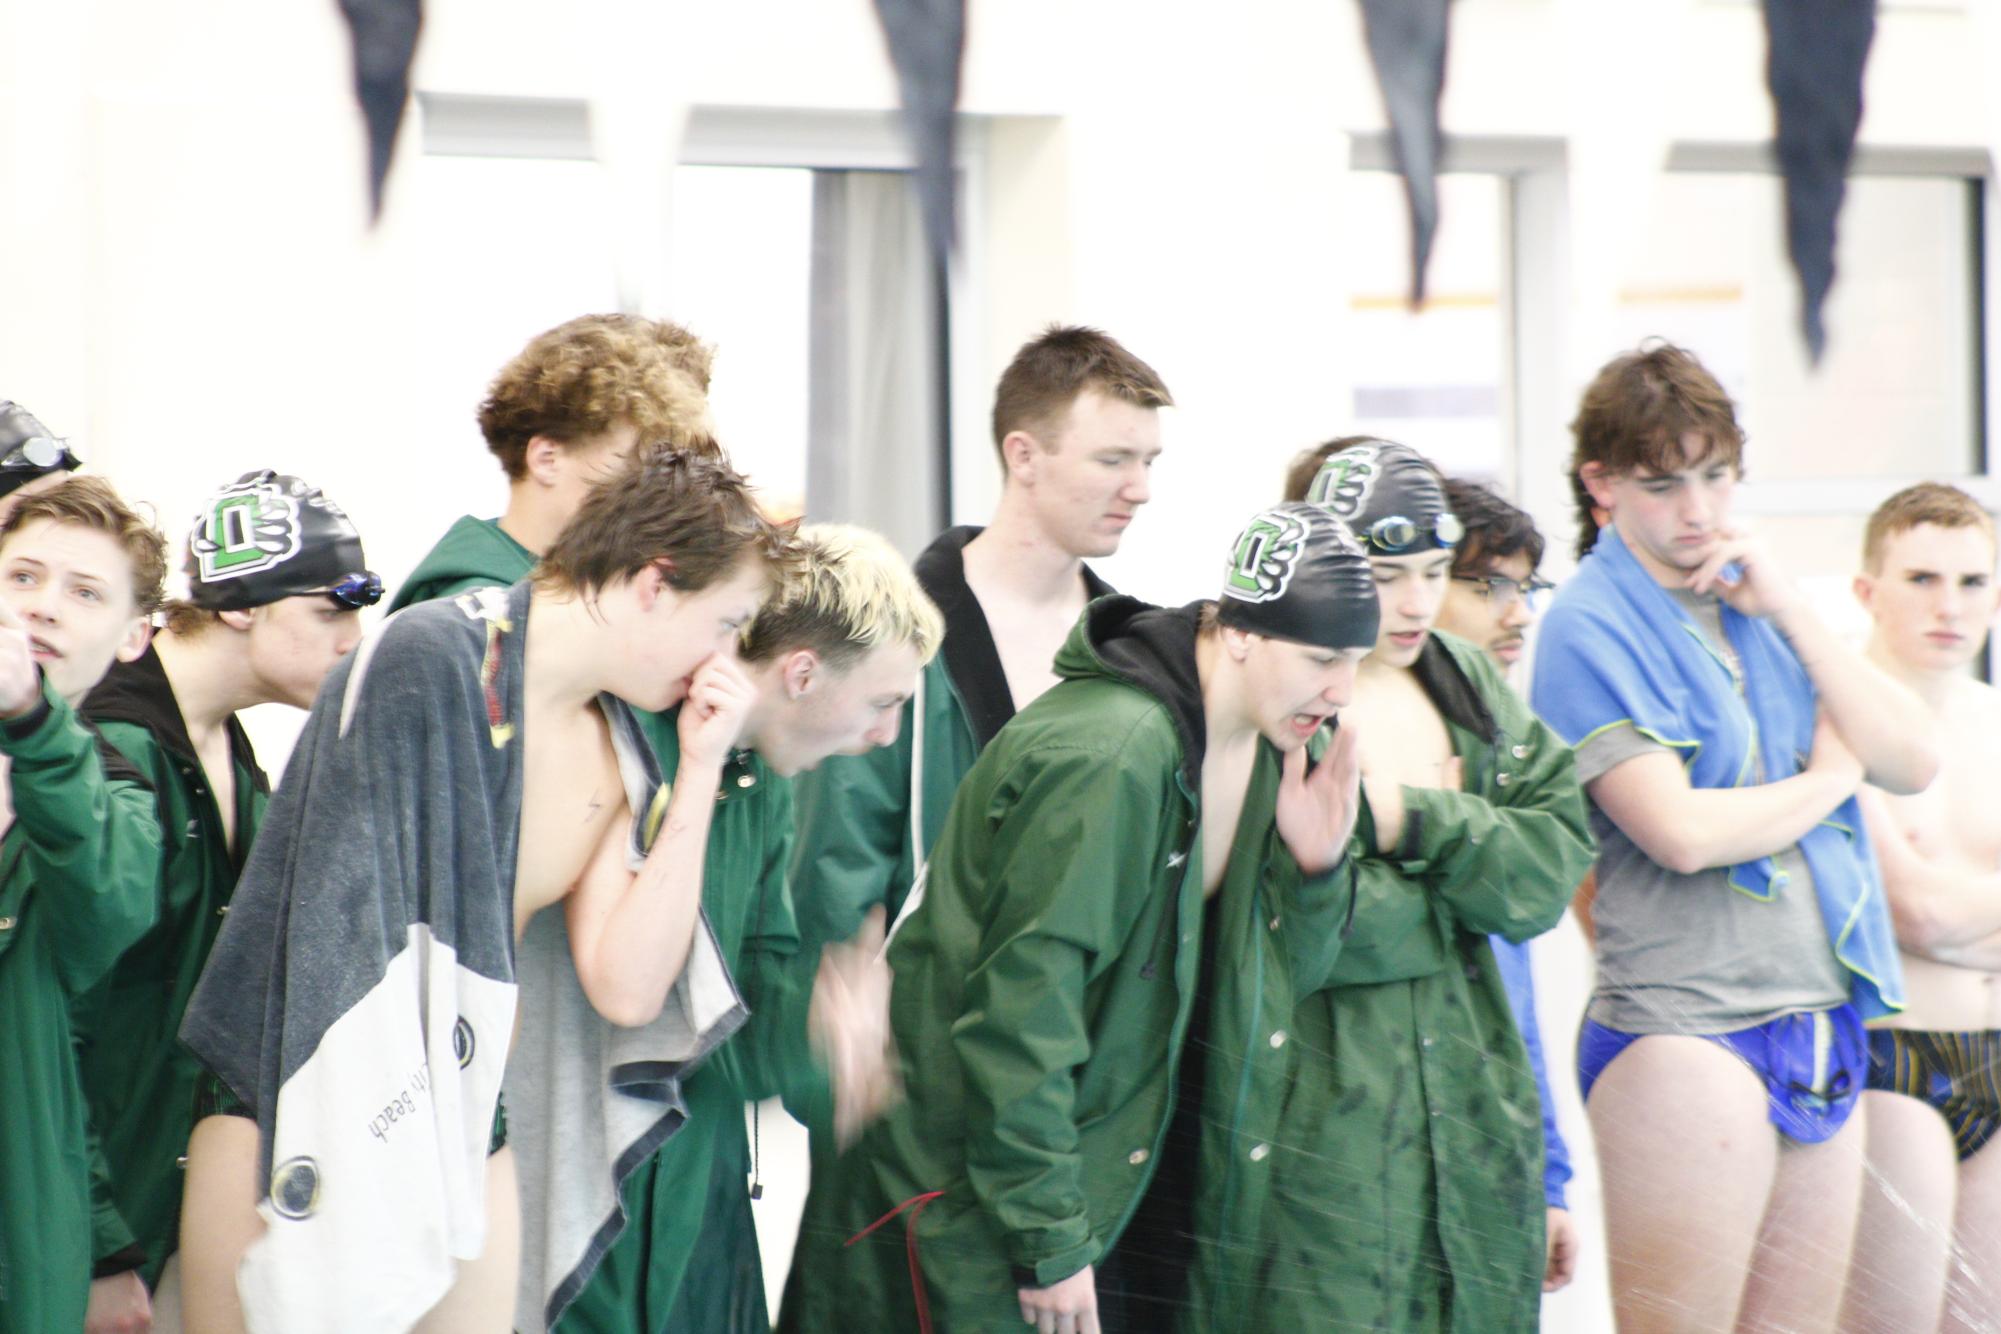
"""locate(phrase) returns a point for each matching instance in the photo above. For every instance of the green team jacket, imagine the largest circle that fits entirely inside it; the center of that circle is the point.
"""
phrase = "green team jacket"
(138, 1078)
(688, 1258)
(79, 881)
(1409, 1161)
(1042, 995)
(854, 849)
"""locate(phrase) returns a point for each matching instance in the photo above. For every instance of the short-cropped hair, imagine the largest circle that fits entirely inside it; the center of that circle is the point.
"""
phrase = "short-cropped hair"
(691, 514)
(848, 594)
(1928, 502)
(90, 502)
(587, 376)
(1495, 529)
(1051, 370)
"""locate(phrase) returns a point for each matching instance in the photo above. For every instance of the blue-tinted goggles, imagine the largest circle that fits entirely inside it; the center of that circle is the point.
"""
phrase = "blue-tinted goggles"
(357, 590)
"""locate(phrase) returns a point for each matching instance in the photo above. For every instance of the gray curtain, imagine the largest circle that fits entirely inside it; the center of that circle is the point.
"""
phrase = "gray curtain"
(877, 443)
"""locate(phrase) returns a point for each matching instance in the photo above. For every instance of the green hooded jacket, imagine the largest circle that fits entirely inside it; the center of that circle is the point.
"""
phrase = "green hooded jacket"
(79, 882)
(139, 1079)
(687, 1258)
(854, 846)
(1043, 993)
(473, 553)
(1409, 1158)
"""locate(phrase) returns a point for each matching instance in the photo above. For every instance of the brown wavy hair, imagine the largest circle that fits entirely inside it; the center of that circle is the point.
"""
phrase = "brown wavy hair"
(1051, 370)
(90, 502)
(1636, 413)
(585, 377)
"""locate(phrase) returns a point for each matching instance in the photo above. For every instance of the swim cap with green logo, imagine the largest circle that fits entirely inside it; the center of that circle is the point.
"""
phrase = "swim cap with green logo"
(1390, 496)
(1297, 573)
(268, 536)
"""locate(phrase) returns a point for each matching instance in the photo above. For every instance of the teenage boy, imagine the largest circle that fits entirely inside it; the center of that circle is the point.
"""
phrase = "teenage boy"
(79, 874)
(563, 414)
(1076, 425)
(276, 584)
(1929, 1243)
(473, 763)
(1491, 603)
(1410, 1154)
(1742, 935)
(1062, 965)
(833, 657)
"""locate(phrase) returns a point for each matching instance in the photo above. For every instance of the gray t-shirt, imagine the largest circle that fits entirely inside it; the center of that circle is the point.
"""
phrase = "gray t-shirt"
(1688, 953)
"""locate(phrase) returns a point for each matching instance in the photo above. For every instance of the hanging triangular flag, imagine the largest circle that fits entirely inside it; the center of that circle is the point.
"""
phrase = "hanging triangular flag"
(1814, 61)
(385, 42)
(927, 45)
(1407, 46)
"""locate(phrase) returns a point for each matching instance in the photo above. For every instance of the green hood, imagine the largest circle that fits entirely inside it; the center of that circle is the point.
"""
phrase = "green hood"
(471, 553)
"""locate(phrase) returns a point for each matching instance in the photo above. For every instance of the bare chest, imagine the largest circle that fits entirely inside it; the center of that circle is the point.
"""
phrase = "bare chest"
(1953, 819)
(570, 793)
(220, 771)
(1224, 780)
(1027, 640)
(1403, 739)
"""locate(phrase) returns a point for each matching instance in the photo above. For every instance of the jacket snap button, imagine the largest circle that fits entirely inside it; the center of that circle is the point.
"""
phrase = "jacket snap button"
(223, 911)
(194, 827)
(1278, 1039)
(1138, 1157)
(6, 924)
(746, 780)
(1176, 858)
(1274, 923)
(1519, 751)
(1425, 1043)
(1259, 1152)
(1503, 778)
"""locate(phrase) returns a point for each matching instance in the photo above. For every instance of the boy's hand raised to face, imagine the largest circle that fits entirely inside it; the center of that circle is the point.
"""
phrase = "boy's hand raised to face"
(1316, 811)
(20, 678)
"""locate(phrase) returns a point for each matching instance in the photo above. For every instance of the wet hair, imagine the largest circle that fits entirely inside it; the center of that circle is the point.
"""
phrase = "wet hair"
(1495, 530)
(1050, 371)
(90, 502)
(847, 595)
(1636, 413)
(692, 514)
(588, 376)
(1934, 503)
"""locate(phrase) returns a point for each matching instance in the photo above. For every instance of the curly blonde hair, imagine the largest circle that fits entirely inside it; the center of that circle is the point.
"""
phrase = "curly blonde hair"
(591, 374)
(90, 502)
(848, 594)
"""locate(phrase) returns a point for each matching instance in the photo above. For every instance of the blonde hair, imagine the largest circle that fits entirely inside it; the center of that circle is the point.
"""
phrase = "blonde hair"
(848, 594)
(1934, 503)
(90, 502)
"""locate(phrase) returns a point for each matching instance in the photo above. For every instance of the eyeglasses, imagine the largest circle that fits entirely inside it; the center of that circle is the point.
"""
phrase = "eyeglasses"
(38, 453)
(1396, 535)
(1500, 592)
(357, 590)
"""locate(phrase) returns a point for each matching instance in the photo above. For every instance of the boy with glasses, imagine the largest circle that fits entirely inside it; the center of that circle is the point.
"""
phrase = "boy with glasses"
(1491, 602)
(276, 584)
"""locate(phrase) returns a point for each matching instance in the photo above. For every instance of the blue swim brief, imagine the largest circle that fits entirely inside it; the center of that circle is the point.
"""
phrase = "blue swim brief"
(1814, 1065)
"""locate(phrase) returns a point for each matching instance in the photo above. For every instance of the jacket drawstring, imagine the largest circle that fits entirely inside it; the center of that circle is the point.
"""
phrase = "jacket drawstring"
(915, 1204)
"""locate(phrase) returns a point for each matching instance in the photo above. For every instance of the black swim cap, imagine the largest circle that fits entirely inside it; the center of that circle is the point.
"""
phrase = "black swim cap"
(29, 449)
(1390, 496)
(267, 536)
(1297, 573)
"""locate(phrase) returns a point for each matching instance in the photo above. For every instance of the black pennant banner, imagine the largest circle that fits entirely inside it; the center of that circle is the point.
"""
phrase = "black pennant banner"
(1814, 62)
(927, 45)
(385, 42)
(1407, 46)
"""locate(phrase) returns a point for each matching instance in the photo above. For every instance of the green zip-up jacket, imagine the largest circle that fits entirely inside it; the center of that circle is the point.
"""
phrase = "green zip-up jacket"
(139, 1080)
(854, 849)
(79, 882)
(1409, 1157)
(473, 553)
(1043, 993)
(687, 1258)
